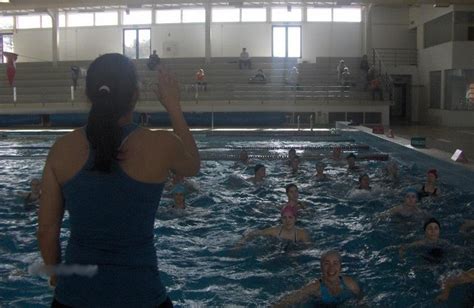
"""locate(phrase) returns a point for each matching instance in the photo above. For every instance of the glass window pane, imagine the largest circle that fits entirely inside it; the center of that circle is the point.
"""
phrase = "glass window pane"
(28, 22)
(129, 43)
(144, 43)
(226, 15)
(168, 16)
(7, 44)
(80, 19)
(194, 15)
(106, 18)
(46, 21)
(62, 20)
(137, 17)
(347, 15)
(319, 14)
(282, 14)
(6, 22)
(279, 41)
(254, 15)
(294, 42)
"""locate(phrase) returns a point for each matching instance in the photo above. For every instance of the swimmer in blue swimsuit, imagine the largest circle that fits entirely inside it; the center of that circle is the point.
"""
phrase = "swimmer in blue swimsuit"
(331, 289)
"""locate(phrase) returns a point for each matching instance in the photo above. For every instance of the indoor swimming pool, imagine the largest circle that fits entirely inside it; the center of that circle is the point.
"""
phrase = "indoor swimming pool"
(198, 258)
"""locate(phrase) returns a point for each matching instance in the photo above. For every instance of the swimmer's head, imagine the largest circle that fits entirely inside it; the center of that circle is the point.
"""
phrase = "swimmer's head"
(112, 89)
(432, 175)
(331, 263)
(292, 192)
(179, 188)
(351, 158)
(243, 156)
(179, 193)
(320, 166)
(291, 153)
(432, 229)
(411, 195)
(259, 171)
(288, 216)
(364, 181)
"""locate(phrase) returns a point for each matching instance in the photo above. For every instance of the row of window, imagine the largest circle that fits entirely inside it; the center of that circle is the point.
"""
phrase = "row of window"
(176, 16)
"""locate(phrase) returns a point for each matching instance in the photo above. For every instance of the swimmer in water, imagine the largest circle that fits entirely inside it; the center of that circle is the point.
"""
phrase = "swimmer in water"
(33, 197)
(259, 174)
(295, 164)
(364, 182)
(179, 197)
(336, 153)
(320, 175)
(467, 226)
(454, 281)
(431, 242)
(351, 165)
(430, 189)
(292, 193)
(409, 208)
(331, 289)
(286, 231)
(291, 155)
(243, 157)
(391, 172)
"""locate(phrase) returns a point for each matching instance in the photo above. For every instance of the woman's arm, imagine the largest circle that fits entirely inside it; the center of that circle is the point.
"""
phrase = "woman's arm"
(298, 296)
(404, 248)
(50, 214)
(451, 282)
(184, 154)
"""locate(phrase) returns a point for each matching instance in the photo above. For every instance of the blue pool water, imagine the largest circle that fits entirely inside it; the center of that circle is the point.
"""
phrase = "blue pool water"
(195, 247)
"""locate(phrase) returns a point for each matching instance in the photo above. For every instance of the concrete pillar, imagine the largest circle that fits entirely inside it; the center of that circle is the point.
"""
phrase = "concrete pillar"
(208, 8)
(367, 49)
(54, 13)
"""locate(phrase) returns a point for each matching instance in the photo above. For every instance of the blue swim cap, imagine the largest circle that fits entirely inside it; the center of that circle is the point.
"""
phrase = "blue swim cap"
(178, 188)
(411, 190)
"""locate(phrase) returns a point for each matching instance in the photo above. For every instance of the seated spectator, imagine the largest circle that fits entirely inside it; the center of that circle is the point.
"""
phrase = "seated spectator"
(259, 77)
(340, 69)
(244, 59)
(346, 79)
(201, 82)
(332, 289)
(293, 77)
(376, 87)
(470, 93)
(153, 61)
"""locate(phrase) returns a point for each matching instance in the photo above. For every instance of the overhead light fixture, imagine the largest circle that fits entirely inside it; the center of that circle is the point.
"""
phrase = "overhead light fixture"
(441, 5)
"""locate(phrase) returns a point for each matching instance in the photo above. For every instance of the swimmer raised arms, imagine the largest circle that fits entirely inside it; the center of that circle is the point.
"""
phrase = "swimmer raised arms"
(109, 176)
(331, 289)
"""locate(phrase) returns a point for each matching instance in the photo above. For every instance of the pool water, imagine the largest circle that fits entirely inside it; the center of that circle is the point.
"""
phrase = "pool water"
(198, 259)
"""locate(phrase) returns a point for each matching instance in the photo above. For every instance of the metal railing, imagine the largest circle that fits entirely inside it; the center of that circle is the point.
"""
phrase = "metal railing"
(382, 71)
(397, 56)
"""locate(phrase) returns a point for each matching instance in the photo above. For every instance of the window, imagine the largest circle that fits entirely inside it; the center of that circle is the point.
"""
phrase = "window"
(62, 20)
(137, 17)
(225, 15)
(283, 14)
(7, 45)
(347, 15)
(6, 22)
(319, 14)
(168, 16)
(286, 41)
(28, 21)
(80, 19)
(106, 18)
(254, 15)
(46, 21)
(194, 15)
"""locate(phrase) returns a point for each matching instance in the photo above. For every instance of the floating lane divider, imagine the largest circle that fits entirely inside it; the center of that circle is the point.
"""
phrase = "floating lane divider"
(24, 148)
(286, 147)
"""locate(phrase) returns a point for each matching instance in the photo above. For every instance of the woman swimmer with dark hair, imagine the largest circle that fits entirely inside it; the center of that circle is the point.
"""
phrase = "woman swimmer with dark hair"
(431, 242)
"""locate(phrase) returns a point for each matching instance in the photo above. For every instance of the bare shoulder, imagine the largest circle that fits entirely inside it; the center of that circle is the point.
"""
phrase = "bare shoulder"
(67, 144)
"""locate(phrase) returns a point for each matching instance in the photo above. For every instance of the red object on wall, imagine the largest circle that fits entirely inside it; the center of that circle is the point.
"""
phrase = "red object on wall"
(378, 130)
(11, 66)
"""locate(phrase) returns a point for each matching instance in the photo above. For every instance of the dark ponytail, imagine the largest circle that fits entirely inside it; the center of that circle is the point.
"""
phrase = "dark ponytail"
(111, 86)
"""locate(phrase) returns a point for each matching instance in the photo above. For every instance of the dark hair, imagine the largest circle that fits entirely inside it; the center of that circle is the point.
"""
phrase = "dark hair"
(362, 176)
(111, 86)
(430, 221)
(287, 187)
(292, 150)
(257, 167)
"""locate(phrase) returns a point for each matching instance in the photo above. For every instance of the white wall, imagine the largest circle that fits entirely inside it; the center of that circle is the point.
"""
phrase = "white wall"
(390, 28)
(227, 40)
